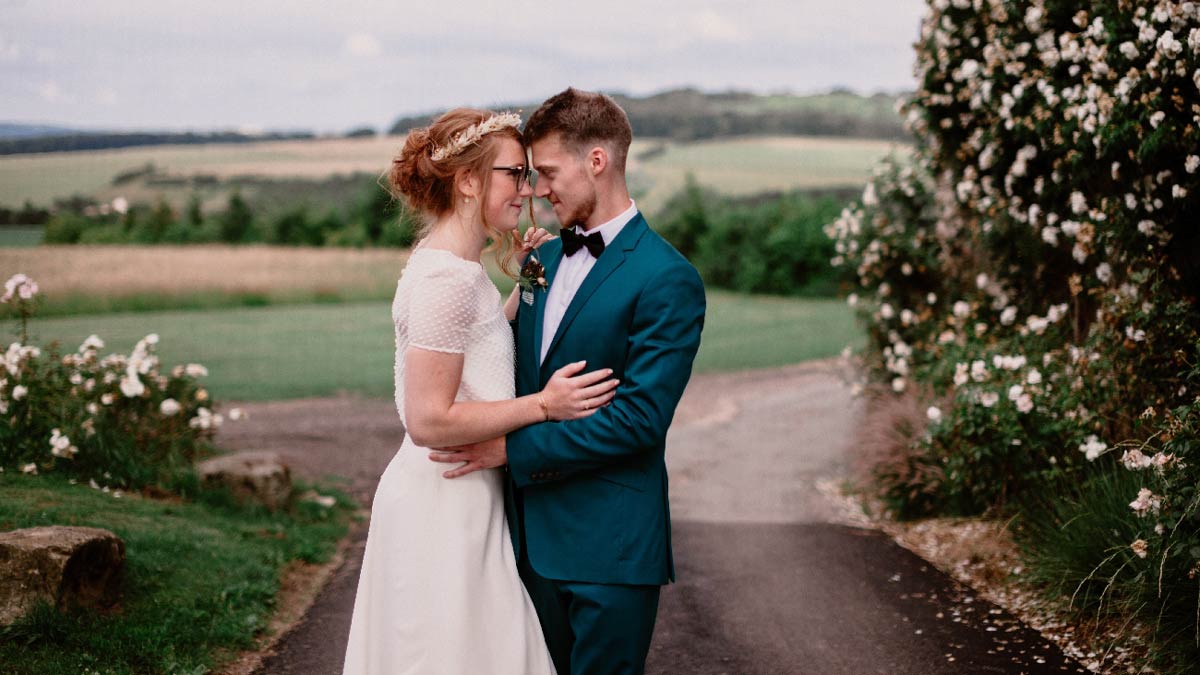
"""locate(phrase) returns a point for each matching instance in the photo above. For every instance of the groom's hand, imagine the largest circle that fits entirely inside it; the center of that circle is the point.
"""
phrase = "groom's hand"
(485, 455)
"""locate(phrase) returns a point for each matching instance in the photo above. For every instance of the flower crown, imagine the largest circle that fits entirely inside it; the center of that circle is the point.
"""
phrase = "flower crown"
(473, 133)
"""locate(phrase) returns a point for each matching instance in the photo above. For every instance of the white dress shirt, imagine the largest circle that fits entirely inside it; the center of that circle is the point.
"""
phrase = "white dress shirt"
(572, 270)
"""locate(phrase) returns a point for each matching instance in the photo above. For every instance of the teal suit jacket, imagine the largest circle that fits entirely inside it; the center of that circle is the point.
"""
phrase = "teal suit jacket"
(593, 491)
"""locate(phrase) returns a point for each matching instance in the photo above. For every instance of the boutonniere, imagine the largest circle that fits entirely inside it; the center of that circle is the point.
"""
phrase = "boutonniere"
(533, 275)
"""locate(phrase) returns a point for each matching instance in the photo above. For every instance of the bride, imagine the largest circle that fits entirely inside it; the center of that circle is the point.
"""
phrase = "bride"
(439, 590)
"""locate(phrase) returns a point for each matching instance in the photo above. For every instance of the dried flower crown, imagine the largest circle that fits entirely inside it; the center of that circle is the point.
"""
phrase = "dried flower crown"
(473, 133)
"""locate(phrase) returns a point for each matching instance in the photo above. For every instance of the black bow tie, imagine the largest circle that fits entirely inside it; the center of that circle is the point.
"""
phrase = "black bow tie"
(573, 241)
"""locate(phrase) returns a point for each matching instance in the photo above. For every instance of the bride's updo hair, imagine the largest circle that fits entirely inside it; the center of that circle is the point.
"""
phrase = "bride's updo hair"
(426, 184)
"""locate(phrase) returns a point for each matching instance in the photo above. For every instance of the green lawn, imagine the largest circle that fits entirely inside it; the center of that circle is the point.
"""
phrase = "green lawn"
(293, 351)
(200, 579)
(21, 236)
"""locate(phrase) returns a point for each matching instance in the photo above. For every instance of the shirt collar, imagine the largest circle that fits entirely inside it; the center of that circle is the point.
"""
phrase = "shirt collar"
(609, 231)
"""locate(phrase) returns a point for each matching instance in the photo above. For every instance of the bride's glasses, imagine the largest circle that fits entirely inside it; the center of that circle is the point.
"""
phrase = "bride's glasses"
(522, 174)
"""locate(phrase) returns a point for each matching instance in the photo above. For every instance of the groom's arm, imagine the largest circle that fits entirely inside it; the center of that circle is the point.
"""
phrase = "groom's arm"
(664, 336)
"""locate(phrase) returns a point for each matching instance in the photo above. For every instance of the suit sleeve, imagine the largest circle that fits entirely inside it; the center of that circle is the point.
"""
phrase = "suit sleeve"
(664, 336)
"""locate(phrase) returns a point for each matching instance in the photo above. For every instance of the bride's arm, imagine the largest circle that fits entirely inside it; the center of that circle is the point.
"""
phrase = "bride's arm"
(510, 305)
(436, 420)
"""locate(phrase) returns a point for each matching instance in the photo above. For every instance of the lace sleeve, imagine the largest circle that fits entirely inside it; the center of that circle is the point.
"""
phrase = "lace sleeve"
(442, 310)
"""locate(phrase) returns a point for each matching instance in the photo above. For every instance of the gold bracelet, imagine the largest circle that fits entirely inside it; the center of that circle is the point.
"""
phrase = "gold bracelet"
(545, 408)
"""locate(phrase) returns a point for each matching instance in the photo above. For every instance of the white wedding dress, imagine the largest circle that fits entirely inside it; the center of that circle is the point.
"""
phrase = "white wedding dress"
(439, 591)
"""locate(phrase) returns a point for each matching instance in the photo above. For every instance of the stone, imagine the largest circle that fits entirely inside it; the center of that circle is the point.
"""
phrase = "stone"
(64, 566)
(261, 477)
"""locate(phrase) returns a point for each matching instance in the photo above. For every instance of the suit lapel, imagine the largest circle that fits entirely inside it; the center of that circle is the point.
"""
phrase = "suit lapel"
(550, 264)
(608, 262)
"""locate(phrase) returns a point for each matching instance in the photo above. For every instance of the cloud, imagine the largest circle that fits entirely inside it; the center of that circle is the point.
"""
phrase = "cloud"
(710, 26)
(106, 96)
(363, 44)
(9, 51)
(50, 91)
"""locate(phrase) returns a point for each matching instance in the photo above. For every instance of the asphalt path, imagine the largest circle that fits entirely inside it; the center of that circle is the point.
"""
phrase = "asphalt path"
(772, 579)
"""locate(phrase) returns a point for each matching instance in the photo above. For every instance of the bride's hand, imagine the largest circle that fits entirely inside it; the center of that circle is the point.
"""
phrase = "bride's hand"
(570, 396)
(533, 238)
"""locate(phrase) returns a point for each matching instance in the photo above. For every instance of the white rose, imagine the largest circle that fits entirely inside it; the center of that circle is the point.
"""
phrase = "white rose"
(169, 407)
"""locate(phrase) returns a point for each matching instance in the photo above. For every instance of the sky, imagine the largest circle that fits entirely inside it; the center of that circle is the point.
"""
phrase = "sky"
(331, 66)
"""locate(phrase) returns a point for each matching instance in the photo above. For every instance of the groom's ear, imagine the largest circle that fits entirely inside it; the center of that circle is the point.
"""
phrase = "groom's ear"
(597, 160)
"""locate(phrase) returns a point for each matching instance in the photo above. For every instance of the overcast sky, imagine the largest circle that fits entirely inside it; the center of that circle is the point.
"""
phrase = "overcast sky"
(330, 66)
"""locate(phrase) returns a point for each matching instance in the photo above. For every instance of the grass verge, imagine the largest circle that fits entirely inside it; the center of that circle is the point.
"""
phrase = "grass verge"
(200, 580)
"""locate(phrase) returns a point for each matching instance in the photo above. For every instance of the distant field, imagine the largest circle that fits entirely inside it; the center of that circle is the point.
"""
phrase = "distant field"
(81, 279)
(42, 177)
(20, 235)
(733, 166)
(314, 350)
(752, 165)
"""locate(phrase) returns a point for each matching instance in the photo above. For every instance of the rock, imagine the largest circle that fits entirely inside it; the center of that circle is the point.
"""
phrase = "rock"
(65, 566)
(261, 477)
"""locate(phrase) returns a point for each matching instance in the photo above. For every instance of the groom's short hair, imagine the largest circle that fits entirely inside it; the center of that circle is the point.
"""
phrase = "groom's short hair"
(583, 119)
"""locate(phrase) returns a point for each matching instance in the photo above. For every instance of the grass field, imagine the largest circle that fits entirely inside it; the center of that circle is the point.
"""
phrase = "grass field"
(200, 578)
(293, 351)
(20, 236)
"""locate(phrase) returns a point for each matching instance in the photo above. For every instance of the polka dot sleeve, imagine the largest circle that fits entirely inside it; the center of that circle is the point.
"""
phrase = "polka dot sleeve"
(443, 308)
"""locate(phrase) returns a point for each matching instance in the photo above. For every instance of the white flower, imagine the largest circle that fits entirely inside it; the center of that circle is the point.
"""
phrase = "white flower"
(931, 298)
(120, 205)
(886, 311)
(1139, 548)
(1093, 447)
(1008, 315)
(961, 309)
(1145, 503)
(106, 398)
(1037, 324)
(1146, 227)
(934, 414)
(1024, 403)
(60, 446)
(1104, 272)
(1178, 191)
(1129, 50)
(92, 342)
(1050, 235)
(906, 269)
(946, 337)
(989, 398)
(1034, 377)
(1078, 204)
(29, 468)
(961, 374)
(131, 386)
(1169, 46)
(907, 317)
(1137, 335)
(197, 370)
(899, 384)
(981, 280)
(1157, 118)
(1134, 460)
(978, 371)
(20, 285)
(1192, 163)
(1015, 391)
(19, 392)
(169, 407)
(92, 408)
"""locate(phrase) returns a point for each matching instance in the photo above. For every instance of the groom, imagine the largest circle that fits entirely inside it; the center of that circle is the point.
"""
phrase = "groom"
(587, 503)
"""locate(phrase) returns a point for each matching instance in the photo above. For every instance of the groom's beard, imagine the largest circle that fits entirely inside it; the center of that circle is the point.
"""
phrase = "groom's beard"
(580, 214)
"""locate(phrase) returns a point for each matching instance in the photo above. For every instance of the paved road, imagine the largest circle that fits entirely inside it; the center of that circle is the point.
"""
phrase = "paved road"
(770, 580)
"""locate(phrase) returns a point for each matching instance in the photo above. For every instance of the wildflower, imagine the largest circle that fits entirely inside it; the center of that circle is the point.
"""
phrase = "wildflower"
(978, 371)
(851, 300)
(1104, 272)
(961, 309)
(1034, 377)
(197, 370)
(1178, 191)
(1008, 315)
(961, 375)
(60, 445)
(989, 398)
(91, 343)
(1024, 403)
(1192, 163)
(1145, 503)
(931, 298)
(20, 285)
(29, 468)
(1135, 460)
(1157, 118)
(1146, 227)
(1137, 335)
(898, 384)
(1162, 460)
(1139, 548)
(934, 414)
(132, 387)
(1093, 447)
(169, 407)
(886, 311)
(1015, 391)
(19, 392)
(106, 398)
